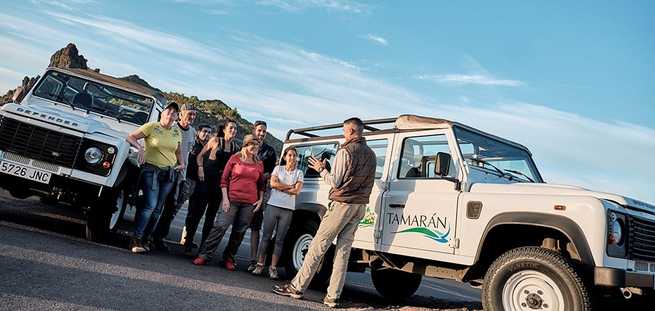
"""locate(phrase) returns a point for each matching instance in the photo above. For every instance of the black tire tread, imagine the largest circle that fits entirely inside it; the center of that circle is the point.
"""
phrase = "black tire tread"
(539, 254)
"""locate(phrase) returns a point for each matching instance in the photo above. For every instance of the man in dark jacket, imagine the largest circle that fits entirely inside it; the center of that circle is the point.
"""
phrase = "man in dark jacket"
(352, 180)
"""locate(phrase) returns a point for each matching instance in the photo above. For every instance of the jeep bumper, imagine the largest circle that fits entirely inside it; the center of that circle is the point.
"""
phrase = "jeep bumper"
(611, 277)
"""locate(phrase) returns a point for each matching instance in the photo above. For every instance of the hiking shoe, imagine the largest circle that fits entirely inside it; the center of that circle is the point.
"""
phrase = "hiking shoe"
(331, 302)
(259, 269)
(230, 265)
(272, 273)
(200, 261)
(252, 265)
(137, 247)
(287, 290)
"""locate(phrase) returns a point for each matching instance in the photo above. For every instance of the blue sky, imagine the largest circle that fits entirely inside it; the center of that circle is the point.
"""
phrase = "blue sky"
(572, 81)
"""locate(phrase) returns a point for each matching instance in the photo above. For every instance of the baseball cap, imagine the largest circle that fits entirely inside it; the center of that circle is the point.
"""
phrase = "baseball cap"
(250, 139)
(173, 105)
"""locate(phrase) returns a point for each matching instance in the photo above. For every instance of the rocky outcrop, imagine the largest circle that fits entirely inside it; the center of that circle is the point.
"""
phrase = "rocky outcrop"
(16, 95)
(68, 57)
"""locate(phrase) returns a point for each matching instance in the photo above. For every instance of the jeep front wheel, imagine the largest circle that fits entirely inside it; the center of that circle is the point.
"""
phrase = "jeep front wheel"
(534, 278)
(101, 220)
(395, 285)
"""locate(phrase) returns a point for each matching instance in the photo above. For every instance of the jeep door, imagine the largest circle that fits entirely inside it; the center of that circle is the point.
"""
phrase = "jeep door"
(420, 207)
(370, 227)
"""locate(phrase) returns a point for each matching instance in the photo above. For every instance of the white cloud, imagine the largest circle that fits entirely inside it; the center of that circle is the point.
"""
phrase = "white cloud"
(463, 79)
(377, 39)
(299, 5)
(293, 87)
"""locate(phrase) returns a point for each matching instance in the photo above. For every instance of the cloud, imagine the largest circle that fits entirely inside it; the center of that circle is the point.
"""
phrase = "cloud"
(464, 79)
(300, 5)
(377, 39)
(293, 87)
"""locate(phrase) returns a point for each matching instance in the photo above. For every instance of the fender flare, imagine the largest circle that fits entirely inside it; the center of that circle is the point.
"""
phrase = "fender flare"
(560, 223)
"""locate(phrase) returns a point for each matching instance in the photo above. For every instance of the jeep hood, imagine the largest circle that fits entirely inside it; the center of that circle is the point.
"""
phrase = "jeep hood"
(64, 116)
(556, 189)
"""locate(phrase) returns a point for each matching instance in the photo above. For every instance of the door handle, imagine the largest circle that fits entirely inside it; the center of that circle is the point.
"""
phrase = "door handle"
(397, 205)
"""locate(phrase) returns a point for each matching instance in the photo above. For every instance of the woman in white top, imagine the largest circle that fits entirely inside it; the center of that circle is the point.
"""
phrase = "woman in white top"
(286, 183)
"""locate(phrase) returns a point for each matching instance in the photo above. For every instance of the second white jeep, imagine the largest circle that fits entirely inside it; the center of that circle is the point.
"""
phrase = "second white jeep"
(453, 202)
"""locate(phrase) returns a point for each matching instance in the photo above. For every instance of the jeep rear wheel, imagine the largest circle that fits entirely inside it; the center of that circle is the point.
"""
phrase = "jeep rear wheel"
(534, 278)
(296, 246)
(395, 285)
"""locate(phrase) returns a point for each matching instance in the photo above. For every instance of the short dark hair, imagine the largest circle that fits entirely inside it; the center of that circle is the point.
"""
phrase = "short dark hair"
(228, 120)
(204, 126)
(357, 122)
(258, 123)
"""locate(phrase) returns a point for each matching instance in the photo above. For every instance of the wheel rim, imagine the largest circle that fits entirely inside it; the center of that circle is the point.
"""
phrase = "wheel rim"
(300, 249)
(531, 290)
(118, 206)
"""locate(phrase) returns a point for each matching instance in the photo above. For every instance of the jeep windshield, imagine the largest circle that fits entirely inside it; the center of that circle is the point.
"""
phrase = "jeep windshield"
(506, 160)
(94, 97)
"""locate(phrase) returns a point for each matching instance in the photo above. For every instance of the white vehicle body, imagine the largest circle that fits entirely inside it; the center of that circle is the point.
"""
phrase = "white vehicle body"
(457, 225)
(48, 134)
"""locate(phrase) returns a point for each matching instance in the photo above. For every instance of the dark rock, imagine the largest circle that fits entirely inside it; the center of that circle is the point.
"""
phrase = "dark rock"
(68, 57)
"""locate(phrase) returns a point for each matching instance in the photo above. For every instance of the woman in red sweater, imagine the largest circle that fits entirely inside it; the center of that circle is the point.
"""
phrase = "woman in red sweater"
(242, 185)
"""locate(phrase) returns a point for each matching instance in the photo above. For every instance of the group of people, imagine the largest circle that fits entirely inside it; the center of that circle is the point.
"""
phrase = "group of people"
(242, 187)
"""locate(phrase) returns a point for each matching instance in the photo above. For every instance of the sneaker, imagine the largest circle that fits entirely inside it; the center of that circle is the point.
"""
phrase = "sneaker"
(137, 247)
(259, 269)
(272, 273)
(287, 290)
(200, 261)
(331, 302)
(230, 265)
(252, 265)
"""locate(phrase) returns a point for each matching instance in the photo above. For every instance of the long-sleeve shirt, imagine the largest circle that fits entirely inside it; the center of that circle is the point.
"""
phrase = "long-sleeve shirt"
(243, 180)
(341, 163)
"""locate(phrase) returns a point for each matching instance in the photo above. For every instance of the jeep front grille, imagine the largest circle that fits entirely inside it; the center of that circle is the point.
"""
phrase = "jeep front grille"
(38, 143)
(641, 239)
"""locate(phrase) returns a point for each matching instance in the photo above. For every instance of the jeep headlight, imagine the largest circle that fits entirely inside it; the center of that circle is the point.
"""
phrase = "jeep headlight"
(617, 229)
(96, 157)
(93, 155)
(614, 229)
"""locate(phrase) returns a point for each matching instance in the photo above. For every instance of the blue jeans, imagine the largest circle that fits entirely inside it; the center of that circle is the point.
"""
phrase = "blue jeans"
(156, 183)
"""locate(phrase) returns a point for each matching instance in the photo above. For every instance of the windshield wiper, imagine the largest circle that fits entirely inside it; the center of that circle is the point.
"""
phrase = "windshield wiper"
(502, 174)
(519, 173)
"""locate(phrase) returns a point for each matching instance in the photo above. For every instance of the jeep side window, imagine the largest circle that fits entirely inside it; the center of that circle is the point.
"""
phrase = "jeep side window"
(379, 146)
(419, 157)
(323, 151)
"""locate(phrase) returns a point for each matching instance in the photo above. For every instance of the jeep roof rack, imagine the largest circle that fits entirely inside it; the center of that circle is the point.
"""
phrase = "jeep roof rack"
(405, 121)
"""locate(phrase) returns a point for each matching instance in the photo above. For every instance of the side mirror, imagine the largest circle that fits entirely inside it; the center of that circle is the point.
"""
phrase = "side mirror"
(442, 164)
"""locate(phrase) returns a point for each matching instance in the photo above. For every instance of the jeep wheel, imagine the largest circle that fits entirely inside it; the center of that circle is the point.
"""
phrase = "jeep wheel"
(395, 285)
(534, 278)
(296, 246)
(103, 220)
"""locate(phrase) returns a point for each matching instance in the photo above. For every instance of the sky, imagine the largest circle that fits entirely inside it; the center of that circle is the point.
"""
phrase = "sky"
(574, 82)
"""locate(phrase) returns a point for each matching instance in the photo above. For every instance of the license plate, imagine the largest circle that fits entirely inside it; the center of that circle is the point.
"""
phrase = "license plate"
(24, 172)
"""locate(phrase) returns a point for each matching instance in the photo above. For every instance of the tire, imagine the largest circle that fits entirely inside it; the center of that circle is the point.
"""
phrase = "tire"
(534, 278)
(102, 220)
(395, 285)
(296, 246)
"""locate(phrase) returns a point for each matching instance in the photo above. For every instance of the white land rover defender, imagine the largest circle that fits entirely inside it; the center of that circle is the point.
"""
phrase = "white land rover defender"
(65, 141)
(453, 202)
